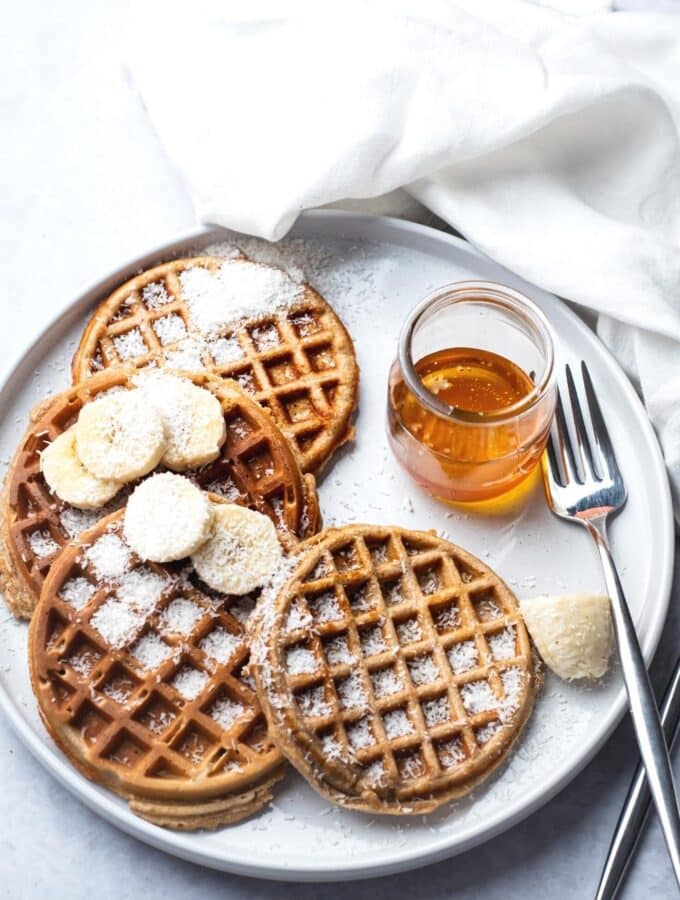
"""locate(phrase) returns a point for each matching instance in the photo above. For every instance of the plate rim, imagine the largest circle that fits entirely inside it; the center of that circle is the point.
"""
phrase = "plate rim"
(375, 228)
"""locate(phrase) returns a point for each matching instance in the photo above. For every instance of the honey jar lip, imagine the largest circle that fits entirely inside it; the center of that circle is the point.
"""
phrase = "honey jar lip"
(490, 293)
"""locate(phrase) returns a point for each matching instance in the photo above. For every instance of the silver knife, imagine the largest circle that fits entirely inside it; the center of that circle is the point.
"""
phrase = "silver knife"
(634, 813)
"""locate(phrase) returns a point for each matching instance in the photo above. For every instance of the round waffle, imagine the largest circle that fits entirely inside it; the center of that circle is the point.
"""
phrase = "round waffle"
(394, 668)
(298, 362)
(256, 468)
(138, 673)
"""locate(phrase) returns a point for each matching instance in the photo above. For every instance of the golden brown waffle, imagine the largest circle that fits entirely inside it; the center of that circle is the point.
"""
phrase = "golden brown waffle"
(393, 667)
(138, 673)
(299, 363)
(255, 468)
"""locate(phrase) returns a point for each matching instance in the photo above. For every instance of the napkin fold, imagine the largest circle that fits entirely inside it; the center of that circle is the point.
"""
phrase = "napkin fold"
(550, 141)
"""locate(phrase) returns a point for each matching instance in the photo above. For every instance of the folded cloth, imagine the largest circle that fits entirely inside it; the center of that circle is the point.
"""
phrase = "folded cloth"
(550, 141)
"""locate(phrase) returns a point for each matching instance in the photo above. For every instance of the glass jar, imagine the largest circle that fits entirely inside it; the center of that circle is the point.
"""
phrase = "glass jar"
(462, 453)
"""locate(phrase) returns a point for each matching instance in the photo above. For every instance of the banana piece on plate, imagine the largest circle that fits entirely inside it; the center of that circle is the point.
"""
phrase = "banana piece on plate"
(120, 436)
(572, 634)
(69, 479)
(242, 552)
(167, 518)
(193, 420)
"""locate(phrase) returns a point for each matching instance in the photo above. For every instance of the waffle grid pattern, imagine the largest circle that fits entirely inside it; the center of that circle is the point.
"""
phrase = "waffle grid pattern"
(370, 671)
(255, 468)
(299, 363)
(132, 722)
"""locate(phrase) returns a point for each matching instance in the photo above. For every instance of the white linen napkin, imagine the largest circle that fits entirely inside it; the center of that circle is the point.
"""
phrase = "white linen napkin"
(550, 141)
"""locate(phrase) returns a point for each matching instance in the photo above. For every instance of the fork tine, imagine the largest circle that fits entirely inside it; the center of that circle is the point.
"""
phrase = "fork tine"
(582, 439)
(552, 454)
(562, 444)
(603, 452)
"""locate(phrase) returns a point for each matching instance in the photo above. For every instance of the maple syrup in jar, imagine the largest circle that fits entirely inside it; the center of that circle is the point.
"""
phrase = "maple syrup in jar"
(472, 391)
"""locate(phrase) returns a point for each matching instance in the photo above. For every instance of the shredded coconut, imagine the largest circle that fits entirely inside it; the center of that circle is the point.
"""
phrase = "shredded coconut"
(436, 711)
(372, 641)
(83, 662)
(224, 488)
(325, 607)
(225, 350)
(117, 622)
(463, 657)
(180, 616)
(409, 631)
(313, 702)
(187, 355)
(451, 753)
(237, 290)
(446, 618)
(109, 556)
(77, 591)
(375, 773)
(338, 652)
(226, 711)
(189, 682)
(141, 589)
(478, 697)
(150, 651)
(300, 660)
(170, 329)
(386, 682)
(360, 734)
(397, 724)
(423, 670)
(502, 645)
(220, 644)
(42, 543)
(487, 609)
(297, 617)
(75, 521)
(155, 295)
(331, 747)
(130, 344)
(352, 693)
(486, 732)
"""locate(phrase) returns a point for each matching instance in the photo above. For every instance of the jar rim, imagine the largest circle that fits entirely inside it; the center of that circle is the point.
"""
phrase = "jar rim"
(489, 293)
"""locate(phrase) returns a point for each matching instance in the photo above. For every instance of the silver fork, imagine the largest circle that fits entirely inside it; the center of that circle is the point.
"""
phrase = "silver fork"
(583, 483)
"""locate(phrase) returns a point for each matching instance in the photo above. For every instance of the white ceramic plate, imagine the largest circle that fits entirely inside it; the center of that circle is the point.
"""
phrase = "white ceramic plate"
(373, 271)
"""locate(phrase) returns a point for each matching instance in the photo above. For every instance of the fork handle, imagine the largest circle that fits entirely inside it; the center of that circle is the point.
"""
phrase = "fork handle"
(643, 709)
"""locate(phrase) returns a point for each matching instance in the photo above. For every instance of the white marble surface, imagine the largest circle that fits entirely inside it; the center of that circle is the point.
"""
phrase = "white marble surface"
(84, 186)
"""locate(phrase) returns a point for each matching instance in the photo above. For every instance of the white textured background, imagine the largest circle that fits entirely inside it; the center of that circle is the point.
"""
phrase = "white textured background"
(85, 186)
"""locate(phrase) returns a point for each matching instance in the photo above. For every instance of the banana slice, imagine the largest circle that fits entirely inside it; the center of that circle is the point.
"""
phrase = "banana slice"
(193, 420)
(69, 479)
(120, 436)
(167, 518)
(242, 552)
(572, 634)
